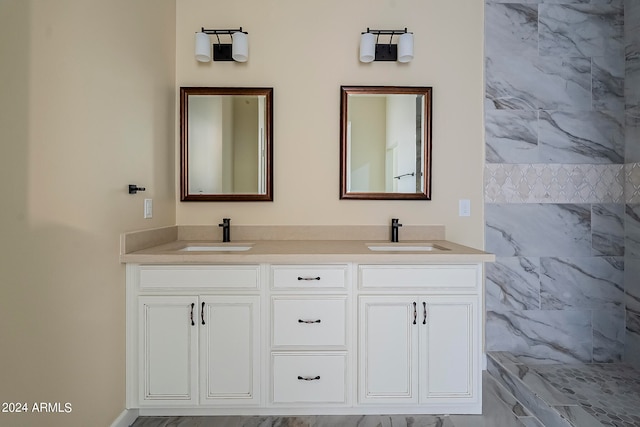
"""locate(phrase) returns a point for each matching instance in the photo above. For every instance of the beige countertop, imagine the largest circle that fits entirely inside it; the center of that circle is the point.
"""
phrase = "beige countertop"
(164, 246)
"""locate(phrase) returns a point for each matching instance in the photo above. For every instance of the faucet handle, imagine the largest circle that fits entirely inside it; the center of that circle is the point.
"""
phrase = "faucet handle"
(226, 229)
(395, 225)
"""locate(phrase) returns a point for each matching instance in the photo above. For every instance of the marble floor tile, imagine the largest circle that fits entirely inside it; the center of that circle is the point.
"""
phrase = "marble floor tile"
(529, 398)
(500, 410)
(580, 395)
(608, 392)
(299, 421)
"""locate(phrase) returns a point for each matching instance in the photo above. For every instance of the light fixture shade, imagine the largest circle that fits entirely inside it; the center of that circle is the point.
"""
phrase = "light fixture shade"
(367, 47)
(405, 47)
(203, 47)
(240, 48)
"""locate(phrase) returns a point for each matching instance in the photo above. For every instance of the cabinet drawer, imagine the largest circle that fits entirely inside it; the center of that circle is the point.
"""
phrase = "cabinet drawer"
(415, 276)
(309, 321)
(309, 378)
(199, 276)
(316, 276)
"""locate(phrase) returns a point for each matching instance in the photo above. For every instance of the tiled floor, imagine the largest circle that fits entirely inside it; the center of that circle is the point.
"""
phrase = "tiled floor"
(581, 395)
(565, 395)
(500, 410)
(609, 392)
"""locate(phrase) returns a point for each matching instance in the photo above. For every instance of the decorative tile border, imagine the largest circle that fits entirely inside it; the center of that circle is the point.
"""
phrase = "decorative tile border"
(632, 182)
(557, 183)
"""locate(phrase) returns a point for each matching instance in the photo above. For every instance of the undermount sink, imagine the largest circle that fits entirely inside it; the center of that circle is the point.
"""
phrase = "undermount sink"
(408, 247)
(215, 248)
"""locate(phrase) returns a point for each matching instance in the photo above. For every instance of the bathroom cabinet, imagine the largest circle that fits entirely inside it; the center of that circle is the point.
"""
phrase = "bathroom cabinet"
(312, 338)
(419, 331)
(417, 349)
(208, 343)
(309, 335)
(198, 335)
(168, 349)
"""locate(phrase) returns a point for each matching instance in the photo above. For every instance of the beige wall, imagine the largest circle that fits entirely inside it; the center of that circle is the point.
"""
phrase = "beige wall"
(86, 107)
(305, 51)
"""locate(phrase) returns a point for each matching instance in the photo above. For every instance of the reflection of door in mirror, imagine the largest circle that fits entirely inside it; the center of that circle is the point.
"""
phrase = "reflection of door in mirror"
(384, 140)
(226, 144)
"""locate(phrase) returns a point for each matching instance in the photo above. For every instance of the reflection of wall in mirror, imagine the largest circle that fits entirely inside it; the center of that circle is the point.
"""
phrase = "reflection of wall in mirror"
(205, 144)
(368, 140)
(224, 144)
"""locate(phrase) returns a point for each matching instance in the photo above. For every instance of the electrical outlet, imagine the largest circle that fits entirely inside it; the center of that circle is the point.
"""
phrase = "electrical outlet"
(464, 207)
(148, 208)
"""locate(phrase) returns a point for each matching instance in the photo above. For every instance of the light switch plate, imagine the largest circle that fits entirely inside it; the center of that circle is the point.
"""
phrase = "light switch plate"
(464, 207)
(148, 208)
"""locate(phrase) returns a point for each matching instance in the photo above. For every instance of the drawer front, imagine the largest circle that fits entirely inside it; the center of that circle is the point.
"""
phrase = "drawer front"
(319, 276)
(200, 276)
(461, 277)
(309, 321)
(309, 378)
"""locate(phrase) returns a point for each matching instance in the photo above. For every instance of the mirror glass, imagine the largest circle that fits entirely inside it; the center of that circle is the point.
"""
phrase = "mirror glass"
(385, 142)
(226, 144)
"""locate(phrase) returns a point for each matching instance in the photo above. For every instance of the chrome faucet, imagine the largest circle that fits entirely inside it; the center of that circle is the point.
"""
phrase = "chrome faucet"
(226, 229)
(394, 229)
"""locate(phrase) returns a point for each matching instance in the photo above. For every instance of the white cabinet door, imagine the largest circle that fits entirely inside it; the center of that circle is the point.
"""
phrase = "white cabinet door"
(448, 346)
(167, 350)
(418, 349)
(388, 349)
(229, 350)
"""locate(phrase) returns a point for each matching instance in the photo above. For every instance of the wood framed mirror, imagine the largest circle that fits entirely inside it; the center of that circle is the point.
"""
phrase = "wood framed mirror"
(226, 144)
(385, 142)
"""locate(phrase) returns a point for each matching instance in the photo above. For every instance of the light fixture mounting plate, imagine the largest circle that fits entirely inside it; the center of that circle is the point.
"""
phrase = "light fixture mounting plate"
(386, 52)
(222, 52)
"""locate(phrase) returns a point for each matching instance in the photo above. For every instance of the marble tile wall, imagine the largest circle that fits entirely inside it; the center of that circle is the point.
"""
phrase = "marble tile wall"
(632, 181)
(555, 179)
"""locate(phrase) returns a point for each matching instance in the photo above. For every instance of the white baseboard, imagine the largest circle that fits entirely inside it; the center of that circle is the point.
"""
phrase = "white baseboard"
(126, 418)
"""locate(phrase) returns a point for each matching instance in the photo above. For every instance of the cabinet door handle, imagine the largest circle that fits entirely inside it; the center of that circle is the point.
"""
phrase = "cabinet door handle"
(193, 304)
(424, 311)
(308, 321)
(308, 278)
(415, 312)
(308, 378)
(202, 313)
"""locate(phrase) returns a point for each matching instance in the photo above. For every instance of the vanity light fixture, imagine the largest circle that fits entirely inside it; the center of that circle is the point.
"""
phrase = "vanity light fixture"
(371, 50)
(237, 50)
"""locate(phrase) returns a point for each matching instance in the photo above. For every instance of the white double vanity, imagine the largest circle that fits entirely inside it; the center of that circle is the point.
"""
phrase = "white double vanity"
(302, 325)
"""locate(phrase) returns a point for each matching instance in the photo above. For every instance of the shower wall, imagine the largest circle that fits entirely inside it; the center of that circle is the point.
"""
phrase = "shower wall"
(555, 179)
(632, 183)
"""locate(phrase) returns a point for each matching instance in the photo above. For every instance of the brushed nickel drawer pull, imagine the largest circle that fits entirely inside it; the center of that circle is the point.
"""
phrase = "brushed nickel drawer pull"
(309, 321)
(308, 278)
(308, 378)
